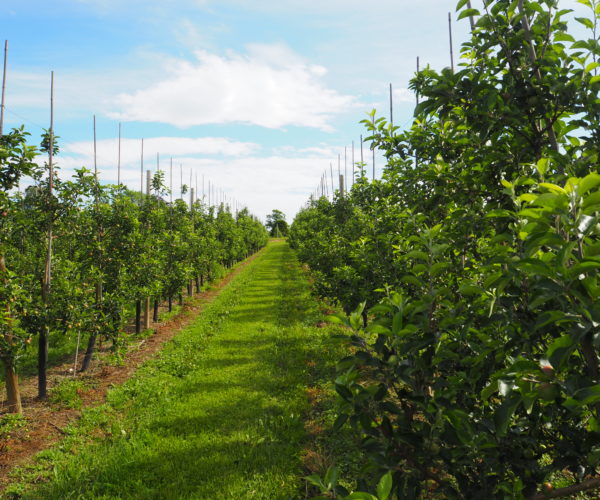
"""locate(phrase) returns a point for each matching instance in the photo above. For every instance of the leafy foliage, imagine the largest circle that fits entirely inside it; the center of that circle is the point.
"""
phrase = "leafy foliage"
(110, 248)
(469, 271)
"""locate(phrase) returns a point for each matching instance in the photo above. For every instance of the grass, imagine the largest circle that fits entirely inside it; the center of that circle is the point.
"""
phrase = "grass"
(220, 414)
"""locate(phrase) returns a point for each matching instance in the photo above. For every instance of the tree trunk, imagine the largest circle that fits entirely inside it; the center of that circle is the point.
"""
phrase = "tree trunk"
(89, 352)
(43, 363)
(146, 313)
(190, 288)
(181, 299)
(197, 284)
(12, 388)
(138, 316)
(201, 280)
(155, 312)
(13, 394)
(170, 303)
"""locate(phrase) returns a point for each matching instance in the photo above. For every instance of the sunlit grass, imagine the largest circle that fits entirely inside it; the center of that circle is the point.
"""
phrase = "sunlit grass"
(219, 414)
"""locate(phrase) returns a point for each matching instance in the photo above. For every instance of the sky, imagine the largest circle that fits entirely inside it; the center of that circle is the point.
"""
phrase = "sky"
(257, 98)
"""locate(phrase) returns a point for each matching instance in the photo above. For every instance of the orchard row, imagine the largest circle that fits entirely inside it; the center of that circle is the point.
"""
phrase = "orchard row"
(469, 272)
(80, 258)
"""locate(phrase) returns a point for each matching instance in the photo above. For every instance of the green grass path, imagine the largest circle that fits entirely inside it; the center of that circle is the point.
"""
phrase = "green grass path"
(218, 415)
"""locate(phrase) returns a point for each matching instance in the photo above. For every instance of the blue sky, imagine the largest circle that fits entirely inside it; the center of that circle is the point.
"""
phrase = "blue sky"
(256, 96)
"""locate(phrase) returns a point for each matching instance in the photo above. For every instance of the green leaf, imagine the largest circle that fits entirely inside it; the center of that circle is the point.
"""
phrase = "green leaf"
(397, 322)
(499, 212)
(438, 267)
(315, 481)
(418, 255)
(588, 183)
(553, 187)
(467, 13)
(337, 318)
(551, 200)
(378, 329)
(504, 414)
(542, 166)
(344, 392)
(469, 289)
(461, 4)
(489, 389)
(563, 37)
(591, 66)
(340, 421)
(360, 496)
(586, 22)
(331, 477)
(384, 488)
(561, 348)
(588, 395)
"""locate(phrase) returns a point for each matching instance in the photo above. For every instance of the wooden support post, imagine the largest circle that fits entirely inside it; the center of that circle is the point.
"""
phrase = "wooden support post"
(471, 19)
(142, 172)
(2, 102)
(47, 281)
(148, 182)
(391, 107)
(451, 48)
(119, 159)
(345, 168)
(538, 74)
(342, 193)
(362, 160)
(353, 163)
(332, 187)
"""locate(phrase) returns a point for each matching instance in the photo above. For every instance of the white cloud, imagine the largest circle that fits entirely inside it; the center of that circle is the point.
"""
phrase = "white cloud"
(167, 146)
(282, 180)
(403, 95)
(270, 86)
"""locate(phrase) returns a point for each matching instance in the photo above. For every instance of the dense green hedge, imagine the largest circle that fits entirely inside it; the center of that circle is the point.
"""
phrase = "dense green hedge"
(470, 270)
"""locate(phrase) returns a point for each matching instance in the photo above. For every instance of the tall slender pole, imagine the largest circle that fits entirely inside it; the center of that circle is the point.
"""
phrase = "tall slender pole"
(471, 20)
(119, 159)
(332, 188)
(533, 57)
(450, 36)
(157, 162)
(3, 88)
(171, 180)
(362, 160)
(373, 149)
(353, 163)
(418, 69)
(95, 162)
(417, 99)
(346, 168)
(45, 331)
(142, 171)
(391, 107)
